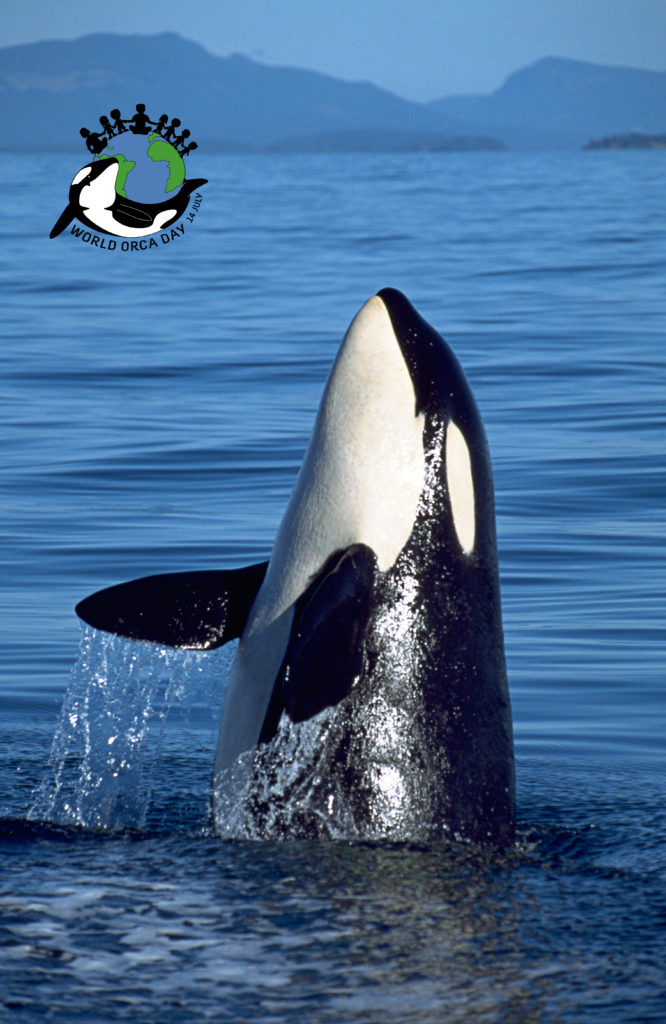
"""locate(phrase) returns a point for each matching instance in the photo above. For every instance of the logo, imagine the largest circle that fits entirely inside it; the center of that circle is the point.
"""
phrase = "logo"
(135, 187)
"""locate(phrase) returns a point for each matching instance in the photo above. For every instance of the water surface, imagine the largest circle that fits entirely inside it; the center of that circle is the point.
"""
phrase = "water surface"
(155, 408)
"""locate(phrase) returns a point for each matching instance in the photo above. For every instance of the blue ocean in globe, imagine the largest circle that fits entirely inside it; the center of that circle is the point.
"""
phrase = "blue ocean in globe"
(151, 170)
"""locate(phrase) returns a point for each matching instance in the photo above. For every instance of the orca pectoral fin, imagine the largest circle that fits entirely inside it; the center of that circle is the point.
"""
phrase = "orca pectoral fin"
(182, 609)
(326, 650)
(132, 215)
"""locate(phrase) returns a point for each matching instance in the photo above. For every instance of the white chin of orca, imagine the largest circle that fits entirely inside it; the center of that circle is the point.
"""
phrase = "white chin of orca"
(100, 193)
(364, 470)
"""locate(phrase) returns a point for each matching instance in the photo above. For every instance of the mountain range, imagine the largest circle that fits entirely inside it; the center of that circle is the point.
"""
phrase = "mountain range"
(49, 90)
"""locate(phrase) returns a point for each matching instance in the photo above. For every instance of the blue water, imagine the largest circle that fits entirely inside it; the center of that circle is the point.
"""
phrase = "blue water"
(154, 410)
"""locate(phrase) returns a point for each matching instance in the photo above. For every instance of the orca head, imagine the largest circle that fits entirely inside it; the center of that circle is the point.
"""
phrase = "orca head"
(92, 191)
(94, 187)
(398, 436)
(364, 469)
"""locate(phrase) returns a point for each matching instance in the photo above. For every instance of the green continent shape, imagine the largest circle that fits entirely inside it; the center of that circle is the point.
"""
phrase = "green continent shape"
(124, 168)
(159, 149)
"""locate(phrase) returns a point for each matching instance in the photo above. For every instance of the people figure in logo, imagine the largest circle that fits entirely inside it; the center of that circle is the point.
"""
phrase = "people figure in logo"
(118, 122)
(161, 124)
(140, 125)
(168, 134)
(95, 142)
(107, 127)
(180, 139)
(140, 121)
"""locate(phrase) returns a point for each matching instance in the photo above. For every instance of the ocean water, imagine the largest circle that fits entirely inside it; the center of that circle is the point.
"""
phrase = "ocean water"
(155, 407)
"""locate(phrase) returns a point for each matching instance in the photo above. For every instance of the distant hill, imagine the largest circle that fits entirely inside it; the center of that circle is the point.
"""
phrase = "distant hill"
(634, 140)
(558, 102)
(49, 90)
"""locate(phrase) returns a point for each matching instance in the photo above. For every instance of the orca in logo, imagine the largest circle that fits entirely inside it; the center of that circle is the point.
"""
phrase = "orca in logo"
(94, 201)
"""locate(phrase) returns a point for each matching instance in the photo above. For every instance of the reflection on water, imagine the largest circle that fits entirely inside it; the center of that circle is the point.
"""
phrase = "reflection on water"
(335, 931)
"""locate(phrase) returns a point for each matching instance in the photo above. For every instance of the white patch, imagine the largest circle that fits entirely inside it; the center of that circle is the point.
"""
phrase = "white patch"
(461, 487)
(360, 482)
(83, 173)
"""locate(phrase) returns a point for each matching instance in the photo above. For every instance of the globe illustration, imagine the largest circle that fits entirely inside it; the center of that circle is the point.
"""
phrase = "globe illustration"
(150, 169)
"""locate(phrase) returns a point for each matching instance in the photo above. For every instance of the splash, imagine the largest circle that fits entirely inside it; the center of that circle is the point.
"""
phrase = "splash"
(314, 781)
(135, 740)
(273, 791)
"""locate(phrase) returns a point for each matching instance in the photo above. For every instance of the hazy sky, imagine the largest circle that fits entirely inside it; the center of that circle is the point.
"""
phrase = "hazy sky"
(421, 49)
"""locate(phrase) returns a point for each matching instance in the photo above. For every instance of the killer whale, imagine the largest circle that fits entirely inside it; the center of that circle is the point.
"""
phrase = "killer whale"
(376, 622)
(94, 201)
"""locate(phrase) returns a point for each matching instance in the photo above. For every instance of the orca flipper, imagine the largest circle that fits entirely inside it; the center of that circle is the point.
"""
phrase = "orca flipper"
(326, 653)
(201, 610)
(132, 215)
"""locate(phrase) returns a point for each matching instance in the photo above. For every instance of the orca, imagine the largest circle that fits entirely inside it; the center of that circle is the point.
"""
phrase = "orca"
(94, 201)
(368, 695)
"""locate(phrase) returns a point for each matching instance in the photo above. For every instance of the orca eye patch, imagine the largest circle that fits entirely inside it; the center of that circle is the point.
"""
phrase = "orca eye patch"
(81, 176)
(461, 487)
